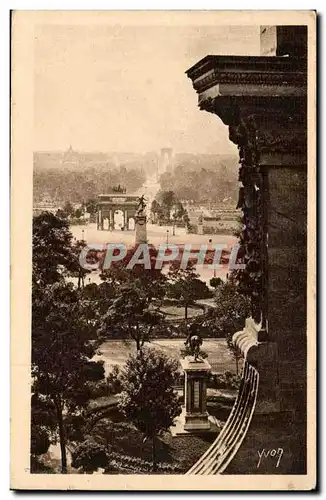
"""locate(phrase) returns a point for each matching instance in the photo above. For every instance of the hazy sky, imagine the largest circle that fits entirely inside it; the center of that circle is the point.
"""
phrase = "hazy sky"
(124, 88)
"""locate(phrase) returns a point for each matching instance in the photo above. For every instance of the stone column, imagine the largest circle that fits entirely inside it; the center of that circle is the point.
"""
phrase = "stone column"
(195, 414)
(140, 228)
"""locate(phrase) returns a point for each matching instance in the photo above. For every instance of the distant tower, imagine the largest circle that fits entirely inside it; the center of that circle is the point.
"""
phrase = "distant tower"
(166, 160)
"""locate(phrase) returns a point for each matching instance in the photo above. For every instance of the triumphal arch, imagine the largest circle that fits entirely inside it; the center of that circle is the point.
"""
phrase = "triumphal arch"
(116, 211)
(263, 102)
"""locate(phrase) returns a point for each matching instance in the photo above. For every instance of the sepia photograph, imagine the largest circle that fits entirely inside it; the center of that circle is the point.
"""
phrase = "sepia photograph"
(163, 250)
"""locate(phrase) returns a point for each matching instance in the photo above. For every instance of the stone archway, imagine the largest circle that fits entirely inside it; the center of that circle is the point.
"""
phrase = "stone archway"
(109, 204)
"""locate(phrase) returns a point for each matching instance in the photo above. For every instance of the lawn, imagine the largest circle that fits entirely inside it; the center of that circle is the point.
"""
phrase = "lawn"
(115, 352)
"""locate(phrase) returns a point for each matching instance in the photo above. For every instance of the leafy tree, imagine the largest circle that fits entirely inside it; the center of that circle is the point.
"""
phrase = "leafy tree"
(53, 257)
(216, 282)
(231, 307)
(55, 254)
(229, 314)
(78, 213)
(40, 441)
(186, 219)
(167, 198)
(76, 270)
(91, 206)
(235, 351)
(148, 399)
(166, 201)
(60, 213)
(179, 210)
(63, 342)
(185, 286)
(43, 425)
(68, 209)
(113, 380)
(157, 211)
(139, 292)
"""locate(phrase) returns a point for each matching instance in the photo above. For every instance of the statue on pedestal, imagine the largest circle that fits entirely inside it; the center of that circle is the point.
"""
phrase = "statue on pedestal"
(194, 342)
(140, 221)
(141, 205)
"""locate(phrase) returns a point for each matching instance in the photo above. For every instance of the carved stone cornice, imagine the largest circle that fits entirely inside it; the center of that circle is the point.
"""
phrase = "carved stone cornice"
(271, 71)
(272, 91)
(278, 123)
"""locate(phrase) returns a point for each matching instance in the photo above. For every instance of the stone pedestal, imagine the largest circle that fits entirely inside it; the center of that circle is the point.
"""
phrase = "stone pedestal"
(140, 227)
(200, 229)
(195, 414)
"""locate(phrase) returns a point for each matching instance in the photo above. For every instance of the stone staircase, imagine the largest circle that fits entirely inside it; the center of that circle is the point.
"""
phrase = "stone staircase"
(221, 452)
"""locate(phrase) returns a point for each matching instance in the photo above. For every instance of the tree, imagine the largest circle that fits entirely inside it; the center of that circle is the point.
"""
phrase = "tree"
(185, 285)
(166, 200)
(216, 282)
(135, 310)
(234, 350)
(62, 347)
(55, 254)
(60, 214)
(53, 257)
(76, 270)
(68, 209)
(186, 219)
(229, 314)
(156, 211)
(78, 213)
(179, 210)
(91, 206)
(148, 399)
(43, 425)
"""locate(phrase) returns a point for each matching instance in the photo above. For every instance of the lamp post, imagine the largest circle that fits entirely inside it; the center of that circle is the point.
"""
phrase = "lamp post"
(209, 244)
(83, 234)
(167, 236)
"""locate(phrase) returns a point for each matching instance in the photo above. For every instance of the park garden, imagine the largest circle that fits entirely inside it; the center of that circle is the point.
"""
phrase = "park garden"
(106, 378)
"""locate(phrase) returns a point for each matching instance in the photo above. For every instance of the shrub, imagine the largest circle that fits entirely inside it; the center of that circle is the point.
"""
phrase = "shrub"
(226, 380)
(148, 399)
(89, 456)
(113, 380)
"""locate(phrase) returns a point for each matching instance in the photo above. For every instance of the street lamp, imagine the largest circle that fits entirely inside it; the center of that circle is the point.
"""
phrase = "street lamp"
(209, 243)
(167, 236)
(174, 221)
